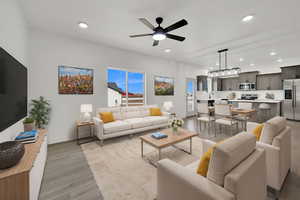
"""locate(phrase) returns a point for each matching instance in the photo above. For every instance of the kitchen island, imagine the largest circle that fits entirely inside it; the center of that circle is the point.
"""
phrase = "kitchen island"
(276, 105)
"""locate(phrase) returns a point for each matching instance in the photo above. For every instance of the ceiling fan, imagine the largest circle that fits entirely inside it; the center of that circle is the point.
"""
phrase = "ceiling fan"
(161, 33)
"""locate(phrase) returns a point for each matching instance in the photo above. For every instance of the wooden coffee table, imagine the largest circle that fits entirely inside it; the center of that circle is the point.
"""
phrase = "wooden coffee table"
(171, 140)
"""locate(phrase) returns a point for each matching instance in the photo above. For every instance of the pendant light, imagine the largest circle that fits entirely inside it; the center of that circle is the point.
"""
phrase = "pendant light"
(225, 72)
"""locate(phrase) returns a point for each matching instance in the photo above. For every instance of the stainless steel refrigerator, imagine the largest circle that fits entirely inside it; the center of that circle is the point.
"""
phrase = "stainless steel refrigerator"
(291, 105)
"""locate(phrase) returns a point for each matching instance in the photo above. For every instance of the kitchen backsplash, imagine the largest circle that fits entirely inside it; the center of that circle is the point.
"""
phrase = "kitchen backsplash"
(278, 94)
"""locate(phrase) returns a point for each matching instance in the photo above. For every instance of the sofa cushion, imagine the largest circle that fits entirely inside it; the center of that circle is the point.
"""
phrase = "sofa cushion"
(228, 155)
(115, 126)
(116, 111)
(157, 119)
(138, 122)
(144, 110)
(272, 128)
(131, 112)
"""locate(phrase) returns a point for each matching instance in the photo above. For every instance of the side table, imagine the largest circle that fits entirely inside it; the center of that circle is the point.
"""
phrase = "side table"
(91, 137)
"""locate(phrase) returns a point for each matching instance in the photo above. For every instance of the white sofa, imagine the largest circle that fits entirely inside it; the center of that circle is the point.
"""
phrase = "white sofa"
(276, 140)
(128, 120)
(237, 171)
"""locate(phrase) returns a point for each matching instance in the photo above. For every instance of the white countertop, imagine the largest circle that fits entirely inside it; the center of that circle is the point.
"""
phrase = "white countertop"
(254, 101)
(258, 100)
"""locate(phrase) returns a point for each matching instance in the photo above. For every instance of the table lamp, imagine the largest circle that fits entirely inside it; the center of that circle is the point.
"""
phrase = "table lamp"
(86, 109)
(168, 105)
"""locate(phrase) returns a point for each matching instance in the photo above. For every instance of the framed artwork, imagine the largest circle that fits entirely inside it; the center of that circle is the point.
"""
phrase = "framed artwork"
(74, 80)
(163, 86)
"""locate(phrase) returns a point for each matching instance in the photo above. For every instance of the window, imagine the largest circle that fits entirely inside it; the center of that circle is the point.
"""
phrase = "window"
(125, 88)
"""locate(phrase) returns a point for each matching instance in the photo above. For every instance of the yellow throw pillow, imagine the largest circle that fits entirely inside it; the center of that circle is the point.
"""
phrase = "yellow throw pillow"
(204, 162)
(257, 131)
(155, 112)
(106, 117)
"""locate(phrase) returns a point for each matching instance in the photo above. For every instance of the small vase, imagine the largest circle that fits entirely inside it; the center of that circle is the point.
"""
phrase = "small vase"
(175, 129)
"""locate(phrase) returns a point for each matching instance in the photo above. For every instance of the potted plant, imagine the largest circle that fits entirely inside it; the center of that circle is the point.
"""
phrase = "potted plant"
(175, 123)
(29, 124)
(40, 112)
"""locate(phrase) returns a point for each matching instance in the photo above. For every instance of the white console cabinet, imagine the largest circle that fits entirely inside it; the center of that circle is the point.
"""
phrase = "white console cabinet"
(23, 181)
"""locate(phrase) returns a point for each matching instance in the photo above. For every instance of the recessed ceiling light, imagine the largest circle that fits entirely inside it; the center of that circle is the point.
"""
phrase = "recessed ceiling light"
(167, 50)
(273, 53)
(279, 60)
(252, 64)
(241, 59)
(248, 18)
(83, 25)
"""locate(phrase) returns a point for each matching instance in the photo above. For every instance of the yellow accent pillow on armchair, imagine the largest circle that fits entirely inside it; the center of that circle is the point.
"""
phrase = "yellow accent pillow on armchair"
(204, 162)
(257, 131)
(155, 112)
(106, 117)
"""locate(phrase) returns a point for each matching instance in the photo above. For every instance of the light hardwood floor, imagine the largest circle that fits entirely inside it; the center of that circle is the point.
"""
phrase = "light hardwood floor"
(67, 175)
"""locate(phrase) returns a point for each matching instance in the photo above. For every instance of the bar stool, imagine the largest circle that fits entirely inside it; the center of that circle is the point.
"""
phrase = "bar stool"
(224, 117)
(243, 118)
(265, 111)
(204, 116)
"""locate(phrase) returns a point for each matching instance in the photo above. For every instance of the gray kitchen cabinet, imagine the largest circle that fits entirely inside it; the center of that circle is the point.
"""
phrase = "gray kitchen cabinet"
(235, 84)
(269, 81)
(290, 72)
(230, 84)
(248, 77)
(216, 84)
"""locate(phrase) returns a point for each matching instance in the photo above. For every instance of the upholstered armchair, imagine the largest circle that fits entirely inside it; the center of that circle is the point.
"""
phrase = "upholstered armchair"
(276, 141)
(237, 171)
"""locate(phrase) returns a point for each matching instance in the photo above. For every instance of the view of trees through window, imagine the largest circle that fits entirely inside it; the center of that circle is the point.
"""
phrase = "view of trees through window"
(125, 88)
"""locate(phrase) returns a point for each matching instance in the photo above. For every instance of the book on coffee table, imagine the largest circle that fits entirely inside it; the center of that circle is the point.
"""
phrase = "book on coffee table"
(159, 135)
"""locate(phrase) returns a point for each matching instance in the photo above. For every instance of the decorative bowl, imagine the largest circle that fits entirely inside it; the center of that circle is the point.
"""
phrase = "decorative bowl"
(10, 153)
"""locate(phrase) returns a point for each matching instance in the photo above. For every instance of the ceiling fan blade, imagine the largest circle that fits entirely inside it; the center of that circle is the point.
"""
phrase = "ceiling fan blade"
(177, 25)
(175, 37)
(155, 42)
(140, 35)
(147, 23)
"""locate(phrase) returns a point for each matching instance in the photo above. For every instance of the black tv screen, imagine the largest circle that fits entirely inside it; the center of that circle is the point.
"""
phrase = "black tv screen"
(13, 90)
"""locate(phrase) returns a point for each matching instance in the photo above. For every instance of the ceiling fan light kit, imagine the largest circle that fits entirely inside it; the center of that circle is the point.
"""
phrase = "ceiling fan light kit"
(159, 36)
(225, 72)
(160, 33)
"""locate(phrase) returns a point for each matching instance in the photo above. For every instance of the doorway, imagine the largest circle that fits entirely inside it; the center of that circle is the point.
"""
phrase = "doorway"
(190, 97)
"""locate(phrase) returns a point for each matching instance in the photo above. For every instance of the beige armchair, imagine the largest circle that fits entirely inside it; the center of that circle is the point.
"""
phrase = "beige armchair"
(236, 171)
(276, 141)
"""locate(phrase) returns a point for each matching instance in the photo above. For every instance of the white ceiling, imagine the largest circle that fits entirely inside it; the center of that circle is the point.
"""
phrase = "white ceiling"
(213, 24)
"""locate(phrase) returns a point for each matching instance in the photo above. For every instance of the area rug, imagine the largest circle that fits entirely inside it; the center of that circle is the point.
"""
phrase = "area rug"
(122, 174)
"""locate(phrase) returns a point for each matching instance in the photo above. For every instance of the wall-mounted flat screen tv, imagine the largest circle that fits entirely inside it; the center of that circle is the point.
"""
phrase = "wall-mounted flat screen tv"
(13, 90)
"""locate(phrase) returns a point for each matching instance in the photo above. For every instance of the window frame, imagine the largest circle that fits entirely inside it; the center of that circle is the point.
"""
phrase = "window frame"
(126, 82)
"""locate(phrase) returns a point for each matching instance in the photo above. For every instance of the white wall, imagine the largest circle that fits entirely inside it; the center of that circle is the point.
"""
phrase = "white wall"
(13, 38)
(48, 50)
(113, 97)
